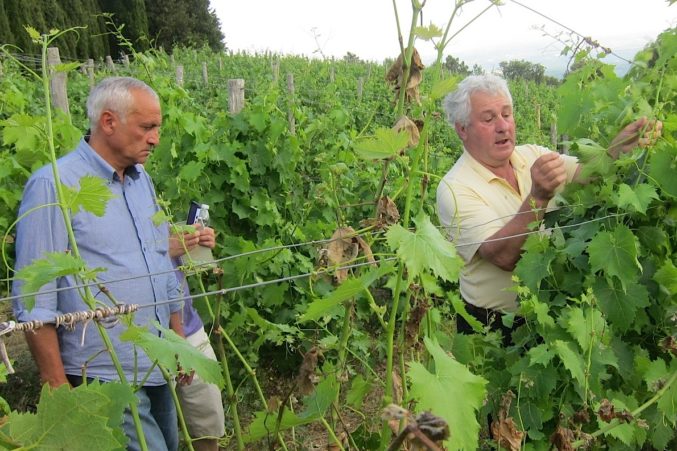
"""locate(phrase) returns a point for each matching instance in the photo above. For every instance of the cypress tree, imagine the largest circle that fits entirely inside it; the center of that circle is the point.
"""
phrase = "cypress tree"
(131, 14)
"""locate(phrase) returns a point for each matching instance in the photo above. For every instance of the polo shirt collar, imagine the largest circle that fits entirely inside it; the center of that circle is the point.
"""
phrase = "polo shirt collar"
(516, 160)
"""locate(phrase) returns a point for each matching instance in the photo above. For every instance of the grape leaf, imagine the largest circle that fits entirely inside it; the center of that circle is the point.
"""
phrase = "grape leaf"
(347, 290)
(619, 305)
(385, 144)
(443, 87)
(615, 253)
(572, 360)
(534, 266)
(191, 171)
(594, 158)
(638, 198)
(317, 403)
(656, 376)
(429, 32)
(584, 326)
(452, 392)
(425, 248)
(73, 419)
(92, 196)
(359, 387)
(666, 276)
(171, 350)
(663, 168)
(540, 355)
(44, 270)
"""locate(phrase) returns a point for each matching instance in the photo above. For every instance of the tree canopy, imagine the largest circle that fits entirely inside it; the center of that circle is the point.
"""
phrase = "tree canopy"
(145, 23)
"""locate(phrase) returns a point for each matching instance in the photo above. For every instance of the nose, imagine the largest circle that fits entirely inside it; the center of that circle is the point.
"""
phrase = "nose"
(502, 124)
(153, 137)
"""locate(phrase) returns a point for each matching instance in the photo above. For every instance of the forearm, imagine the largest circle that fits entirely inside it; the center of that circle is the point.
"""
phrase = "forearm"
(44, 346)
(504, 247)
(176, 323)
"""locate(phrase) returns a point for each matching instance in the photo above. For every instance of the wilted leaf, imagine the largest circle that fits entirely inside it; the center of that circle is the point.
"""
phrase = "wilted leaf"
(563, 439)
(407, 125)
(92, 196)
(385, 144)
(425, 249)
(172, 351)
(452, 392)
(306, 378)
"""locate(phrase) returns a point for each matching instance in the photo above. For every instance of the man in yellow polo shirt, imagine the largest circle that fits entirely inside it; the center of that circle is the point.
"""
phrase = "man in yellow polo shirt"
(496, 189)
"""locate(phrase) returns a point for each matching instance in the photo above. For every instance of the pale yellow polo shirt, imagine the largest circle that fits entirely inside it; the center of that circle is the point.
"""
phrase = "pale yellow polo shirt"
(473, 204)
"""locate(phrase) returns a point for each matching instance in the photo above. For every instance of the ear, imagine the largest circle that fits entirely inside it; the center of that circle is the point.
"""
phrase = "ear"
(461, 131)
(107, 122)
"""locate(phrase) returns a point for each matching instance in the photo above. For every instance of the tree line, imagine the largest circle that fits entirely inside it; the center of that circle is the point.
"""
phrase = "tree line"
(511, 70)
(145, 23)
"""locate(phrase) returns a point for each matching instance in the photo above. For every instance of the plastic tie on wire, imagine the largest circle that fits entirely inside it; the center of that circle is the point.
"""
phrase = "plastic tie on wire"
(5, 328)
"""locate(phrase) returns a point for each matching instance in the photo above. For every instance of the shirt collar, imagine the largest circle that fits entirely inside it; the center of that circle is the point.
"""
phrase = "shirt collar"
(516, 160)
(100, 166)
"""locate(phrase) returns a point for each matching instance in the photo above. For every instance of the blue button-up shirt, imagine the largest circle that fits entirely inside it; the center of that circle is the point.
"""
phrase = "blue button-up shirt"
(124, 241)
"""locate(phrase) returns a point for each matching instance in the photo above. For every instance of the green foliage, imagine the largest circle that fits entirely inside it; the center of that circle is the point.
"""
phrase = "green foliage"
(79, 419)
(173, 353)
(52, 266)
(92, 196)
(452, 392)
(426, 249)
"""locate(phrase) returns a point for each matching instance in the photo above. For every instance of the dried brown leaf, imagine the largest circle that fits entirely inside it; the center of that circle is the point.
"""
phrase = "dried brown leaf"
(397, 387)
(341, 249)
(562, 438)
(606, 410)
(582, 416)
(366, 250)
(273, 404)
(434, 427)
(306, 379)
(506, 434)
(387, 212)
(406, 124)
(414, 320)
(670, 344)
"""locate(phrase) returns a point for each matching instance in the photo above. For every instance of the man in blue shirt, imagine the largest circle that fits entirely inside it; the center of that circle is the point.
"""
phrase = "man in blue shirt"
(125, 117)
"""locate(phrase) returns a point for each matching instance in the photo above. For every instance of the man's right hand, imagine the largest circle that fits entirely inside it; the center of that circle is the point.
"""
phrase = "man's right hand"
(547, 173)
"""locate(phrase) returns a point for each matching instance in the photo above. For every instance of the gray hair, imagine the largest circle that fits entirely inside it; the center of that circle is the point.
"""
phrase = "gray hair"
(457, 104)
(115, 94)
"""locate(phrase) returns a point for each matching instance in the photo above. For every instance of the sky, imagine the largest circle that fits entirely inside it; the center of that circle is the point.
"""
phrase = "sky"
(368, 29)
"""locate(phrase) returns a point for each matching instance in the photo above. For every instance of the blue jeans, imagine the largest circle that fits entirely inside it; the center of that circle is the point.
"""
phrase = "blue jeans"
(158, 418)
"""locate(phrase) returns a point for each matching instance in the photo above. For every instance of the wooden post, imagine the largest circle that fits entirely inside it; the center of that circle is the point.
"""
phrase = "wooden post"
(125, 59)
(332, 74)
(235, 95)
(171, 59)
(109, 63)
(57, 82)
(205, 77)
(290, 112)
(369, 72)
(220, 65)
(90, 72)
(275, 66)
(553, 134)
(538, 116)
(360, 86)
(179, 75)
(565, 144)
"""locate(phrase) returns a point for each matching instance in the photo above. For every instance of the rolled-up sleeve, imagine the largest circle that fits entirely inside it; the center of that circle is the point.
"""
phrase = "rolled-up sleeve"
(40, 229)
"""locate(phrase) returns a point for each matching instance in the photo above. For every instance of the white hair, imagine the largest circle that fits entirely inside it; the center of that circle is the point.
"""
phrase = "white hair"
(457, 104)
(114, 94)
